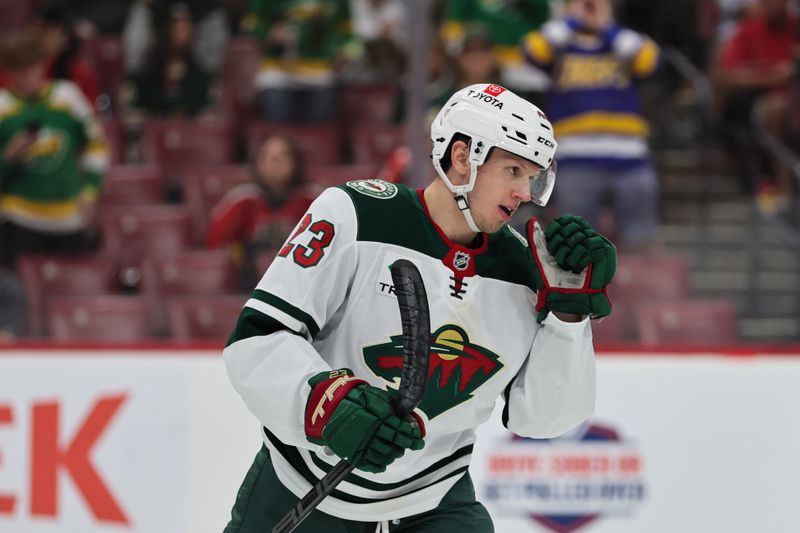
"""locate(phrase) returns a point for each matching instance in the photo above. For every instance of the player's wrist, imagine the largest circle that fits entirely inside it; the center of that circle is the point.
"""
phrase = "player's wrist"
(569, 317)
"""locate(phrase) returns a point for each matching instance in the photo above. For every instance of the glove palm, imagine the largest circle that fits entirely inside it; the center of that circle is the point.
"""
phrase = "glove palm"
(574, 266)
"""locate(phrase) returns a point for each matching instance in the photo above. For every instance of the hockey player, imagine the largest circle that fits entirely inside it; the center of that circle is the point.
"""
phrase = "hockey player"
(510, 317)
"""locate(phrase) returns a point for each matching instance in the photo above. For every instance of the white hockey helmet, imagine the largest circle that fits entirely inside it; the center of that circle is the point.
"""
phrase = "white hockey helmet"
(492, 116)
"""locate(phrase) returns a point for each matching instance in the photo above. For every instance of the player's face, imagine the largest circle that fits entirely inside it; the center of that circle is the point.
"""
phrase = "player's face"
(503, 183)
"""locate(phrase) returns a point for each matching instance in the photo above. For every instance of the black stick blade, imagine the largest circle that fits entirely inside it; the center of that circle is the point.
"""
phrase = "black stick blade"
(415, 317)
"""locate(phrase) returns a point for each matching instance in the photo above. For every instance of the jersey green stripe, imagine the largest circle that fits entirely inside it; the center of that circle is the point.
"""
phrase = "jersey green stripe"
(371, 485)
(291, 455)
(287, 308)
(254, 323)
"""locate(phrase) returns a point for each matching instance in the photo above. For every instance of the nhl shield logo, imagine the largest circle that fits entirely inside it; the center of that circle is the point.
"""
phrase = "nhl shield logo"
(461, 261)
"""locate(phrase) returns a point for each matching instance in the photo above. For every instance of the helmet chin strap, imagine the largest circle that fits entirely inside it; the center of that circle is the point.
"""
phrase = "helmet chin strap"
(460, 191)
(461, 198)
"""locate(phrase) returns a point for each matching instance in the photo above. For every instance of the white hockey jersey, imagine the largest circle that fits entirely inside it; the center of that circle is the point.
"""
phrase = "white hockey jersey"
(326, 302)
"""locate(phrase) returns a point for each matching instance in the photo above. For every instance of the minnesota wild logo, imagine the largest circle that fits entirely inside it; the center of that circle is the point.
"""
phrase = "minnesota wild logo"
(457, 367)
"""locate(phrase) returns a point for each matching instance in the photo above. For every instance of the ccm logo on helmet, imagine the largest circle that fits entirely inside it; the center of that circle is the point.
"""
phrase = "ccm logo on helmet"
(486, 98)
(546, 142)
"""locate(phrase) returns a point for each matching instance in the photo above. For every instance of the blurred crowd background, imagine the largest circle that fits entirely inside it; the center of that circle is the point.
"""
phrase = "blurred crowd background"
(155, 153)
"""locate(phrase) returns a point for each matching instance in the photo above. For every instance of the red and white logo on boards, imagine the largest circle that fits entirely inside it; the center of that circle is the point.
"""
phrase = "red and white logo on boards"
(55, 455)
(494, 90)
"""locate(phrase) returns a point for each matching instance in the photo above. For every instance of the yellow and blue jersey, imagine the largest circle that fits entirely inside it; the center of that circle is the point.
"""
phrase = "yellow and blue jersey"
(593, 101)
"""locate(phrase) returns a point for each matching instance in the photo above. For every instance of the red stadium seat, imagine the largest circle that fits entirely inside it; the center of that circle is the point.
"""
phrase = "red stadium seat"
(115, 137)
(329, 175)
(98, 318)
(687, 323)
(373, 143)
(610, 329)
(106, 54)
(240, 66)
(177, 144)
(197, 272)
(319, 143)
(44, 277)
(368, 104)
(645, 277)
(133, 185)
(205, 186)
(204, 318)
(646, 280)
(131, 233)
(14, 13)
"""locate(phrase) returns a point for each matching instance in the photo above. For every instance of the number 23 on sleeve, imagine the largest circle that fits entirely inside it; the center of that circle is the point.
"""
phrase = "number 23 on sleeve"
(311, 254)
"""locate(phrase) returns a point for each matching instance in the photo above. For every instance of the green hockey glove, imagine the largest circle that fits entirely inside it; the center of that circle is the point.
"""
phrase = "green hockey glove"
(575, 264)
(357, 422)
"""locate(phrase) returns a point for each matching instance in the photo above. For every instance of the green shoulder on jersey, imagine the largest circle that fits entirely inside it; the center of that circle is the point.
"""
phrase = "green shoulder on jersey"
(393, 214)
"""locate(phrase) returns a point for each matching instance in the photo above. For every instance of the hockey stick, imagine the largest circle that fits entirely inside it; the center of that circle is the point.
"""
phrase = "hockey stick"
(415, 317)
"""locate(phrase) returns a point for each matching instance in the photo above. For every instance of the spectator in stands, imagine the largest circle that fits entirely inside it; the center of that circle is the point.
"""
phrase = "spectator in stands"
(147, 20)
(381, 27)
(304, 45)
(594, 107)
(475, 63)
(259, 215)
(52, 155)
(757, 65)
(506, 23)
(62, 45)
(171, 81)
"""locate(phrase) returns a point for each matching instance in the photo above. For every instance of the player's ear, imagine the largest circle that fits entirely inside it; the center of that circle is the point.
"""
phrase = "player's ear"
(459, 157)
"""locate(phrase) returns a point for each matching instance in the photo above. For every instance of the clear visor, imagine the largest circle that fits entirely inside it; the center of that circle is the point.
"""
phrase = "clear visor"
(542, 184)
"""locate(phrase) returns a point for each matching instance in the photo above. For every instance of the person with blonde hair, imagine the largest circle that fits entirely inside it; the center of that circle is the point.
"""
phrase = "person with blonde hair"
(52, 155)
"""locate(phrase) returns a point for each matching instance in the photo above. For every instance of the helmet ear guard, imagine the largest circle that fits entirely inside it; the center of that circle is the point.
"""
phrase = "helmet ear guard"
(493, 117)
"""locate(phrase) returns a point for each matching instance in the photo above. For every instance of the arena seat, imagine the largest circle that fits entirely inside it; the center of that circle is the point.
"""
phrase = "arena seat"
(240, 65)
(14, 13)
(644, 280)
(206, 272)
(114, 133)
(176, 144)
(132, 185)
(610, 329)
(131, 233)
(204, 318)
(106, 53)
(373, 143)
(368, 104)
(204, 186)
(687, 323)
(109, 318)
(329, 175)
(44, 277)
(319, 143)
